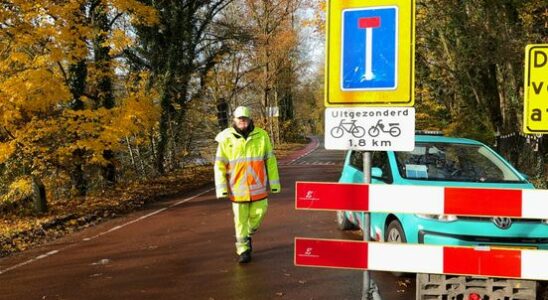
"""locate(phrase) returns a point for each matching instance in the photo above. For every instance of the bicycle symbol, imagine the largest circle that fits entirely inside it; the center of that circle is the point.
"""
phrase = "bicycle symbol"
(350, 127)
(394, 130)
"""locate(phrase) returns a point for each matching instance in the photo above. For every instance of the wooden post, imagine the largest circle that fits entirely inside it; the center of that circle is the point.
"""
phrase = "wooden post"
(39, 196)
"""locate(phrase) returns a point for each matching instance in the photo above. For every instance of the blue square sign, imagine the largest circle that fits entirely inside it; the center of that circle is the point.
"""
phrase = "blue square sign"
(369, 49)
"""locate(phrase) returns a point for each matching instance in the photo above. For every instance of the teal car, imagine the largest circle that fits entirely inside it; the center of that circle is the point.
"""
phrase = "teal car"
(444, 161)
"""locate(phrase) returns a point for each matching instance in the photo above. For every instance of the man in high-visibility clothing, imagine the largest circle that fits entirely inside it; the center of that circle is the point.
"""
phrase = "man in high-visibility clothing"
(245, 168)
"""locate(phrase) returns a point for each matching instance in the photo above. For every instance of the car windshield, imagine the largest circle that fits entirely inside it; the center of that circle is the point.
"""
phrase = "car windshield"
(454, 162)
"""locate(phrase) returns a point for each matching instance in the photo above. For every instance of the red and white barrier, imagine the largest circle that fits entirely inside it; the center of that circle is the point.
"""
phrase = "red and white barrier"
(473, 261)
(530, 204)
(413, 258)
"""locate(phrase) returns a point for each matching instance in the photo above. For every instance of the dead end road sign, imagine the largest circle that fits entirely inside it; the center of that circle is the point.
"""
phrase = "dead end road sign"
(370, 58)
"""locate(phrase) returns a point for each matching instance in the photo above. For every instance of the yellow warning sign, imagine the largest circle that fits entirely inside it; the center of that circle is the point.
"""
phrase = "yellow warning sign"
(536, 89)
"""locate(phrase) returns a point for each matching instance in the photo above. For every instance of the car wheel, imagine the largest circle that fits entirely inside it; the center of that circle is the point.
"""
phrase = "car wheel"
(343, 222)
(395, 234)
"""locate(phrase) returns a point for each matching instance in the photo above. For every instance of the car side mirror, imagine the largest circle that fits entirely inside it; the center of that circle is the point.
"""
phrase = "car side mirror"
(376, 172)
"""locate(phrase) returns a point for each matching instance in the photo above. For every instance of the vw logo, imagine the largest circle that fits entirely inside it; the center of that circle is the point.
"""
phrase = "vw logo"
(502, 223)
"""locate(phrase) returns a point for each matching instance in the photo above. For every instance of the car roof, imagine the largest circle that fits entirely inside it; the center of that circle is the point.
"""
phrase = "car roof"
(445, 139)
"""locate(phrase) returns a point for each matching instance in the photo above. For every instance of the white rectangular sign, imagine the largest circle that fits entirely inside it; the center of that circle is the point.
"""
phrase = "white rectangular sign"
(273, 111)
(370, 128)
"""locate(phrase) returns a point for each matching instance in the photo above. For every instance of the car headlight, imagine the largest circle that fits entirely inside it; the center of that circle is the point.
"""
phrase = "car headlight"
(442, 218)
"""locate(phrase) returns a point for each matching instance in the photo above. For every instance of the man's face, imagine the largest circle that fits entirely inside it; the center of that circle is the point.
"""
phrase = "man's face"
(242, 122)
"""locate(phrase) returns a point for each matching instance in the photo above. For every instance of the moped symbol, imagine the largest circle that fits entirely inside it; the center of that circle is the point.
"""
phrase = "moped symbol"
(350, 127)
(394, 130)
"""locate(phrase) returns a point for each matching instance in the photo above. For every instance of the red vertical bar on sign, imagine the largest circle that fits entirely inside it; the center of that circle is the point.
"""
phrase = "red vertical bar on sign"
(372, 22)
(331, 253)
(331, 196)
(483, 202)
(490, 262)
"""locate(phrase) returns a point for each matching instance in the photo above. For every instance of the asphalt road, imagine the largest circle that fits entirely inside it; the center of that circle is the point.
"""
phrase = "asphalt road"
(184, 249)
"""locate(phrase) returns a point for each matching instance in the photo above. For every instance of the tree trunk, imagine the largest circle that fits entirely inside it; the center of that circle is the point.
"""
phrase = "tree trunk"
(141, 160)
(39, 196)
(77, 174)
(105, 97)
(131, 155)
(164, 133)
(491, 97)
(77, 86)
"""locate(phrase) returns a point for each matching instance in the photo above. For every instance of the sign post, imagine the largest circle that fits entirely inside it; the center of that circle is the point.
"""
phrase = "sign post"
(372, 69)
(369, 289)
(536, 90)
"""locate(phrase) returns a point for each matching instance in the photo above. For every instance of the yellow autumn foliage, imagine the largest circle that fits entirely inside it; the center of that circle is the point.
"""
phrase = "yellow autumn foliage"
(41, 42)
(18, 190)
(6, 151)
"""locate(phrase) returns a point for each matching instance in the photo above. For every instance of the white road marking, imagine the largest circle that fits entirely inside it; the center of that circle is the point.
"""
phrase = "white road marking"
(53, 252)
(30, 261)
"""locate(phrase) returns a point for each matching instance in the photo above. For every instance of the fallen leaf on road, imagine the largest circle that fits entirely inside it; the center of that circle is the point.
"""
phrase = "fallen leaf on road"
(402, 284)
(103, 261)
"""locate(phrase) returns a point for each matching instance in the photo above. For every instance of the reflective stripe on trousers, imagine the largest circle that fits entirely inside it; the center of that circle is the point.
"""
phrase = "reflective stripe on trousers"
(247, 219)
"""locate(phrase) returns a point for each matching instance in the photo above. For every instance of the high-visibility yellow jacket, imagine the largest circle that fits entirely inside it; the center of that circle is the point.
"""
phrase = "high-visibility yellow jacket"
(245, 168)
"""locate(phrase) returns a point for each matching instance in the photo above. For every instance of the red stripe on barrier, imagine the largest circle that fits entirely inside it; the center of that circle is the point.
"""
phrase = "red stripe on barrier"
(331, 254)
(483, 202)
(490, 262)
(331, 196)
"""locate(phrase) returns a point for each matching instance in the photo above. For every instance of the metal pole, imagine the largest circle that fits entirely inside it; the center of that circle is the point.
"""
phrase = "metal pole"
(370, 290)
(365, 222)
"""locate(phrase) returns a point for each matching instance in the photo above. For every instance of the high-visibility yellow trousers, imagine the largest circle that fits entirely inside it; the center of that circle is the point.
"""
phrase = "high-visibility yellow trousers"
(247, 219)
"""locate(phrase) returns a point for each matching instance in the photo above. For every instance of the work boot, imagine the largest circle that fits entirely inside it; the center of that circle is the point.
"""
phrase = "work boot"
(245, 257)
(249, 244)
